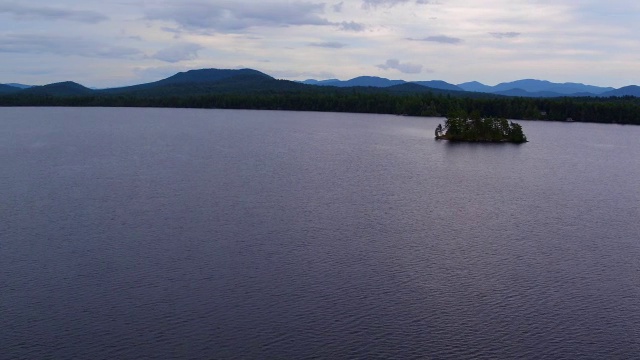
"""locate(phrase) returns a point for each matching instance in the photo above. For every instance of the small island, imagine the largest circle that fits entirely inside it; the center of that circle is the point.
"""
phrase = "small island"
(461, 127)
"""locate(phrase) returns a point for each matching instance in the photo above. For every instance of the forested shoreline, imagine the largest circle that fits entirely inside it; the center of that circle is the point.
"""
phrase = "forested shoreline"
(618, 110)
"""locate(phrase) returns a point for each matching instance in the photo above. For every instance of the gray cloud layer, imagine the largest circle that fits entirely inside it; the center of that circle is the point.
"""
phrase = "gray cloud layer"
(230, 16)
(61, 45)
(407, 68)
(329, 44)
(351, 26)
(371, 4)
(107, 39)
(49, 13)
(177, 53)
(503, 35)
(443, 39)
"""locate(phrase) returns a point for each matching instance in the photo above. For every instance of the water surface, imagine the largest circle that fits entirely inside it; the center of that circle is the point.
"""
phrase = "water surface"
(158, 233)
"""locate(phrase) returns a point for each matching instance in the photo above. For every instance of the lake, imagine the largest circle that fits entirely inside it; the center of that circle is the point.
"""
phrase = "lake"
(223, 234)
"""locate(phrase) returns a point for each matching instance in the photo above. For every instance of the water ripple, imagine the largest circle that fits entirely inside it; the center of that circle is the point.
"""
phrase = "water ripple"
(150, 233)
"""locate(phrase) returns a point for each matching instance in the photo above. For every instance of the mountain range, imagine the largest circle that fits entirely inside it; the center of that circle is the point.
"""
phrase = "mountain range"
(521, 88)
(207, 81)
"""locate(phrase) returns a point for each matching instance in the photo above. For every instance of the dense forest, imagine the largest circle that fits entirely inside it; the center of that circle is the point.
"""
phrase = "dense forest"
(619, 110)
(474, 128)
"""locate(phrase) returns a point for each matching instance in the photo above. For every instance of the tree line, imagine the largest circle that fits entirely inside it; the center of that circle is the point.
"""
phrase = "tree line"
(620, 110)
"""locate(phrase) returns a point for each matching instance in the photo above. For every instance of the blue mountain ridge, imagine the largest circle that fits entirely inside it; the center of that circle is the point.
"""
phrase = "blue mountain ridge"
(7, 89)
(204, 80)
(374, 81)
(631, 90)
(475, 86)
(65, 88)
(532, 85)
(521, 88)
(19, 86)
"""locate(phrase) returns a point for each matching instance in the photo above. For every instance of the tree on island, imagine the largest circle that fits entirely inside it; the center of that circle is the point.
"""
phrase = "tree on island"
(462, 127)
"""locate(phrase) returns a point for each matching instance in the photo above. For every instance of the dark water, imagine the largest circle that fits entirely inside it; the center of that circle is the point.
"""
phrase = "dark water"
(140, 233)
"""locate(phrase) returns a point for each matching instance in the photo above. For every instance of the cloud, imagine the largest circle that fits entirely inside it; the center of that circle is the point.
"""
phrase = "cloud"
(372, 4)
(407, 68)
(177, 53)
(443, 39)
(329, 44)
(50, 13)
(560, 40)
(505, 35)
(369, 4)
(350, 26)
(235, 16)
(171, 30)
(61, 45)
(37, 71)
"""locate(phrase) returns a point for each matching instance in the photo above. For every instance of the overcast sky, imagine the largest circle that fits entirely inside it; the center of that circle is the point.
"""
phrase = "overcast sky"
(122, 42)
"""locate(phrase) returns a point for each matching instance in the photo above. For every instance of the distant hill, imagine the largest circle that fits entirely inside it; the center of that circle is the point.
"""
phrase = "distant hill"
(632, 90)
(244, 81)
(193, 82)
(240, 83)
(528, 85)
(411, 88)
(532, 85)
(439, 84)
(196, 77)
(414, 88)
(209, 76)
(536, 88)
(8, 89)
(573, 88)
(320, 82)
(19, 86)
(475, 87)
(248, 81)
(67, 88)
(372, 81)
(520, 88)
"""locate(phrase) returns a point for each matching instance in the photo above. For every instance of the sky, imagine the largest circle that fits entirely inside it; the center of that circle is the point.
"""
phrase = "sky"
(124, 42)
